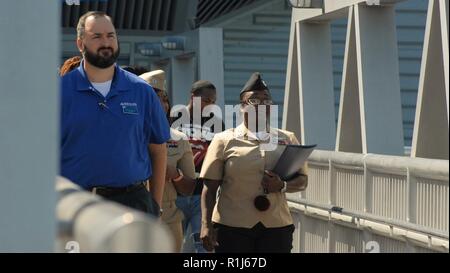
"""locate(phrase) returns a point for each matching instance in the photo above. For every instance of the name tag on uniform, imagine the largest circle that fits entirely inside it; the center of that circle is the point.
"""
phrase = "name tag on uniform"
(280, 140)
(172, 144)
(283, 142)
(129, 108)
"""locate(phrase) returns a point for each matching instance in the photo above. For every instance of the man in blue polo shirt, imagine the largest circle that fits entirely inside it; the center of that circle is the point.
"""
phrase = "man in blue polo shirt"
(113, 128)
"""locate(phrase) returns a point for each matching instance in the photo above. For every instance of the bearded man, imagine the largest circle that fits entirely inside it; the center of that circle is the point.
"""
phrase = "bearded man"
(113, 128)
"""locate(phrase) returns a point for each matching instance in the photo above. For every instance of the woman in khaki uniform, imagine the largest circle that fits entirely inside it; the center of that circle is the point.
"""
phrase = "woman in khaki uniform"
(180, 165)
(251, 212)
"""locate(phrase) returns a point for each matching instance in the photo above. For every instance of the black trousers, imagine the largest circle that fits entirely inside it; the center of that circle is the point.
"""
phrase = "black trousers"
(257, 239)
(139, 199)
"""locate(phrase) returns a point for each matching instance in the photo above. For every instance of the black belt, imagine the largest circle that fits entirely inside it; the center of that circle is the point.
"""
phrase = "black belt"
(108, 191)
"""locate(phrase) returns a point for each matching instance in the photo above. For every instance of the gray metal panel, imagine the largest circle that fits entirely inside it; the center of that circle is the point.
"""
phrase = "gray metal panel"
(120, 14)
(148, 14)
(156, 13)
(112, 7)
(129, 14)
(211, 9)
(93, 5)
(165, 15)
(139, 12)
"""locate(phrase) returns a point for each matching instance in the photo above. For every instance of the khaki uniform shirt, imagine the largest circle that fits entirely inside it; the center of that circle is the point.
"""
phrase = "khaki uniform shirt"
(238, 159)
(179, 155)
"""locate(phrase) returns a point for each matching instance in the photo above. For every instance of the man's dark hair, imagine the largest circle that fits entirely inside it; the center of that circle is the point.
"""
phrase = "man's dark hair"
(82, 21)
(136, 70)
(200, 86)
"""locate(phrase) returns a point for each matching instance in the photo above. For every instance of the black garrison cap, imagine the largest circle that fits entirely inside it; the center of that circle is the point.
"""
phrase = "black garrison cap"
(255, 83)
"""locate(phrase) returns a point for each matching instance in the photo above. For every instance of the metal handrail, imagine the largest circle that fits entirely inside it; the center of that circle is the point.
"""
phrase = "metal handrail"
(371, 217)
(96, 225)
(370, 165)
(430, 168)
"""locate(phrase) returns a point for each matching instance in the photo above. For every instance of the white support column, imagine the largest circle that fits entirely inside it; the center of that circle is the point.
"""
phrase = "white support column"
(431, 127)
(183, 75)
(291, 110)
(210, 60)
(29, 135)
(443, 8)
(310, 86)
(348, 137)
(378, 80)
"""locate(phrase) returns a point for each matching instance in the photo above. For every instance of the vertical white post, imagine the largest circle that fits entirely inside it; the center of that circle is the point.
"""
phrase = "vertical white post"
(291, 109)
(443, 8)
(332, 183)
(183, 75)
(29, 135)
(348, 137)
(368, 189)
(412, 197)
(210, 60)
(331, 237)
(431, 127)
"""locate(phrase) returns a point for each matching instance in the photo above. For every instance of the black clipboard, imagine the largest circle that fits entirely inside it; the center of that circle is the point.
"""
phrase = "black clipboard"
(292, 160)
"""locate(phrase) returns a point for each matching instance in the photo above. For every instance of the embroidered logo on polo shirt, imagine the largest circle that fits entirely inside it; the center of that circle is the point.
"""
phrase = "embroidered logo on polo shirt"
(129, 108)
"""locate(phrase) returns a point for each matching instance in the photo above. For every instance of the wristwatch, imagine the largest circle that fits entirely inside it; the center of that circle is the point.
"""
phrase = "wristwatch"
(284, 188)
(180, 176)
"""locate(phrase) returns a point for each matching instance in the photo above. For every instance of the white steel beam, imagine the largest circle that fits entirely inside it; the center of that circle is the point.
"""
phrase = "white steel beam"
(431, 127)
(348, 137)
(443, 8)
(183, 76)
(210, 60)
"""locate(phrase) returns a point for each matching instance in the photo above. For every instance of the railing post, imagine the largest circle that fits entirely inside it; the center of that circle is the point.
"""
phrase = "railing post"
(412, 197)
(368, 184)
(332, 183)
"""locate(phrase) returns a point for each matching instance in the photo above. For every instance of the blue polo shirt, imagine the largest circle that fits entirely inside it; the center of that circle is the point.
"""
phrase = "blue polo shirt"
(104, 140)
